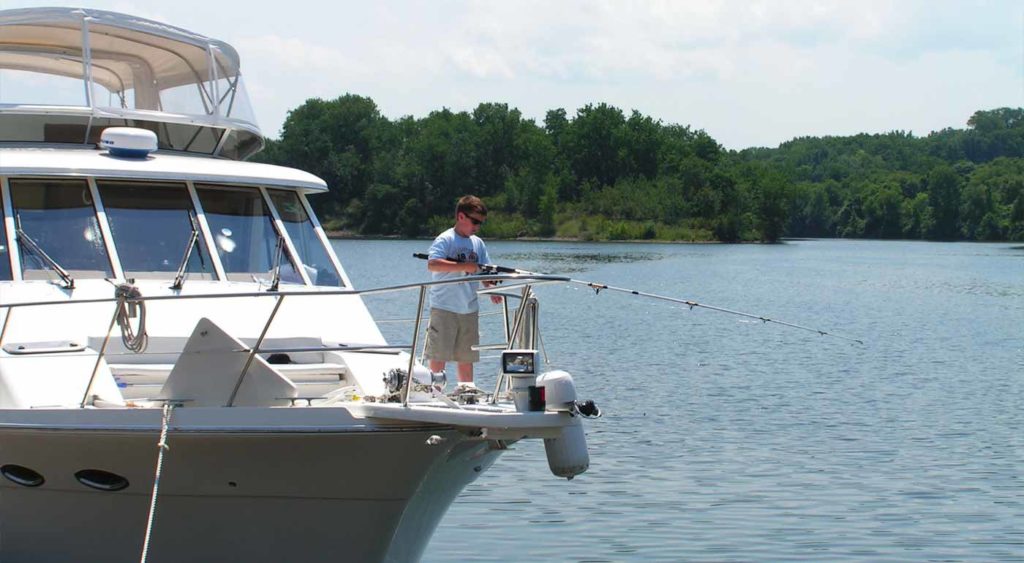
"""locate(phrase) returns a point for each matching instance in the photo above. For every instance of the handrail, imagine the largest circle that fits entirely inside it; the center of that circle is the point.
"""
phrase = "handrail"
(412, 348)
(516, 337)
(103, 348)
(543, 279)
(255, 350)
(526, 282)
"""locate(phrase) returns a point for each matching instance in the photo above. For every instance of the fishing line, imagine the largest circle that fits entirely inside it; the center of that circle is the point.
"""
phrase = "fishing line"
(599, 287)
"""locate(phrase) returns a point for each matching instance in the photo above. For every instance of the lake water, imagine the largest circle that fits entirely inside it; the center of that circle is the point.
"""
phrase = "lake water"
(727, 439)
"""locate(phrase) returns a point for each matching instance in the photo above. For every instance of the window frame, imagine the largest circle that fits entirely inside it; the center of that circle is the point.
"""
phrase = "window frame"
(321, 236)
(205, 231)
(280, 228)
(13, 258)
(101, 222)
(324, 239)
(274, 223)
(203, 242)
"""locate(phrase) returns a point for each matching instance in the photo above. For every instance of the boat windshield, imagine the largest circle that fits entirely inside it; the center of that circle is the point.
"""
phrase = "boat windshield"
(23, 87)
(244, 234)
(151, 224)
(59, 216)
(304, 237)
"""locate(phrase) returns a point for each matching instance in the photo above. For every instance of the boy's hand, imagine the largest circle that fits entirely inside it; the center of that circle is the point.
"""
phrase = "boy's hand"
(496, 299)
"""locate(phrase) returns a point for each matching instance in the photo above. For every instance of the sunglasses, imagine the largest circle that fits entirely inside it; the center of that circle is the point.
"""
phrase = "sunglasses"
(474, 220)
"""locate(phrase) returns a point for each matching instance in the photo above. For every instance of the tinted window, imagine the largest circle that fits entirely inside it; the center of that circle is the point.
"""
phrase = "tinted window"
(59, 216)
(151, 227)
(307, 244)
(244, 233)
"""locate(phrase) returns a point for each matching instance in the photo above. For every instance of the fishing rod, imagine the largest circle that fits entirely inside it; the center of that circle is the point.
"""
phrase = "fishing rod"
(599, 287)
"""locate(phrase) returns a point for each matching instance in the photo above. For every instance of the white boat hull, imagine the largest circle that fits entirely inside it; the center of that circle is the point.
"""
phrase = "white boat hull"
(361, 493)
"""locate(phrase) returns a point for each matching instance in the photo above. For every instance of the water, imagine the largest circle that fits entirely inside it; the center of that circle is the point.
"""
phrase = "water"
(725, 439)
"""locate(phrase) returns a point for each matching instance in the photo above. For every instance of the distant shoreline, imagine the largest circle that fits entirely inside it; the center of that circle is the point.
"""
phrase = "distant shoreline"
(348, 235)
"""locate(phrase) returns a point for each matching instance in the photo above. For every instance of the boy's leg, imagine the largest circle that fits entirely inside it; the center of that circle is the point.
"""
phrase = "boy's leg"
(468, 337)
(440, 344)
(465, 372)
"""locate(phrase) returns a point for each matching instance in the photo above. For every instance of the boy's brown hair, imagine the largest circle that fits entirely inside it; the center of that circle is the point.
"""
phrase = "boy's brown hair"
(471, 204)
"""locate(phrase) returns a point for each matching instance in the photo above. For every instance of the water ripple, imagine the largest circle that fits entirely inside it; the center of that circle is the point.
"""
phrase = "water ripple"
(729, 441)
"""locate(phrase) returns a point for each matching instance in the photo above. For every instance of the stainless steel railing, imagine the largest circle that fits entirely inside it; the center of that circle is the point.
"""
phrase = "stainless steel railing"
(522, 332)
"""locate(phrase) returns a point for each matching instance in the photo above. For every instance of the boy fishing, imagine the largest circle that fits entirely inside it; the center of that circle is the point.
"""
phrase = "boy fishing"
(454, 326)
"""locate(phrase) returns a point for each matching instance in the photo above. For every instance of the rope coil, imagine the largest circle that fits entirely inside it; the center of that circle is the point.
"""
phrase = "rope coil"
(132, 306)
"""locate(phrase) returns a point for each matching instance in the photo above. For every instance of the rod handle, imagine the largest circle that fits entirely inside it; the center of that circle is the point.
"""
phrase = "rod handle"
(486, 267)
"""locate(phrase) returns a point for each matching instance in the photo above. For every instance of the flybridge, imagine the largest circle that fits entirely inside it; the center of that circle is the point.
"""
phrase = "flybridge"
(69, 73)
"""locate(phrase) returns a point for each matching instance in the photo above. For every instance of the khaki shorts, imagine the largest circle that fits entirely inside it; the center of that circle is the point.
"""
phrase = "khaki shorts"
(450, 337)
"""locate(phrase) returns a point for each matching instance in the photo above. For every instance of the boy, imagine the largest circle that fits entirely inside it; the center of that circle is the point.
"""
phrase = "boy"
(454, 312)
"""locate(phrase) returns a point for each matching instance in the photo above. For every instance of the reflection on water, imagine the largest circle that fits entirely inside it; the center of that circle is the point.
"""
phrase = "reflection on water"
(727, 440)
(570, 261)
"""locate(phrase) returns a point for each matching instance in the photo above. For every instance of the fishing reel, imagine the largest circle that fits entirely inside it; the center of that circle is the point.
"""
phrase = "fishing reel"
(422, 378)
(487, 269)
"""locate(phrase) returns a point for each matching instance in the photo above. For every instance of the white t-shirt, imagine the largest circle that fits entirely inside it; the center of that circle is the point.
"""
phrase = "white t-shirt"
(456, 297)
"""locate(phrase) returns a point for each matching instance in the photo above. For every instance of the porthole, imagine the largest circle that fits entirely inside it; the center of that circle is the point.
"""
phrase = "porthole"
(101, 480)
(22, 475)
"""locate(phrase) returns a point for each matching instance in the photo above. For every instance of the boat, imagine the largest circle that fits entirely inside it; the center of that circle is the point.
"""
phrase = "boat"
(187, 372)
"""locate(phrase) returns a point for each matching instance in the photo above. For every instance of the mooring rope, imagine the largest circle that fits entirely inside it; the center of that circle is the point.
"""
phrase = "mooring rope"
(162, 447)
(132, 306)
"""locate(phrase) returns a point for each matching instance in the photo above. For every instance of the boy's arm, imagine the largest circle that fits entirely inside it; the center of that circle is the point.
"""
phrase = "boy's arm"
(439, 261)
(486, 258)
(445, 265)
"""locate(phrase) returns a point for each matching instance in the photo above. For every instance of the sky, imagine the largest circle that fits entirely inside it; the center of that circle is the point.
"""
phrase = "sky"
(749, 73)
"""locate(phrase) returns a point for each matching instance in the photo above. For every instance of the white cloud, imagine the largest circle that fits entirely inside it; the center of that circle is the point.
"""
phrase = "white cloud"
(481, 62)
(748, 71)
(293, 53)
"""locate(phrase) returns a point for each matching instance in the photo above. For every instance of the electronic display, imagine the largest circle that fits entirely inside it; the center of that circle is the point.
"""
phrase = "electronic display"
(519, 361)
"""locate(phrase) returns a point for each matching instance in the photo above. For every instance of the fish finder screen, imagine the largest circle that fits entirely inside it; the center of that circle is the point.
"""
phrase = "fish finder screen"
(518, 362)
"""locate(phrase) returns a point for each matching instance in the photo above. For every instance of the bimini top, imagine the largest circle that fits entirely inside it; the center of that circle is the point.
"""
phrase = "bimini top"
(68, 73)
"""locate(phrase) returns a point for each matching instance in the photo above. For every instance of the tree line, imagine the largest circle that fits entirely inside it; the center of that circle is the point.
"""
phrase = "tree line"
(602, 174)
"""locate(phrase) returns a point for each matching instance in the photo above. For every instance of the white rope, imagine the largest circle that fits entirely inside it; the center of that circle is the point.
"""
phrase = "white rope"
(162, 447)
(132, 306)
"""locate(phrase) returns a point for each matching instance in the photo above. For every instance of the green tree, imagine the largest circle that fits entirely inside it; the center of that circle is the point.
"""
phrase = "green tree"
(641, 142)
(593, 142)
(771, 191)
(336, 140)
(412, 219)
(978, 214)
(916, 219)
(944, 199)
(445, 148)
(882, 206)
(547, 209)
(603, 174)
(379, 207)
(497, 131)
(1015, 230)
